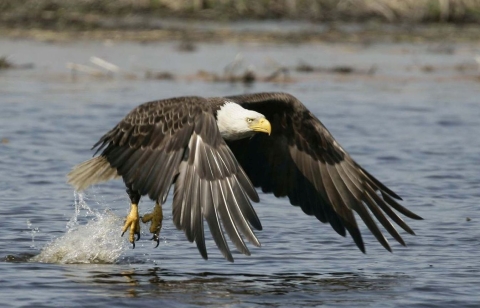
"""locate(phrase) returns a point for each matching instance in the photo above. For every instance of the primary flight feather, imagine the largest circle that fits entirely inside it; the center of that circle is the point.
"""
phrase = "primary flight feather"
(214, 151)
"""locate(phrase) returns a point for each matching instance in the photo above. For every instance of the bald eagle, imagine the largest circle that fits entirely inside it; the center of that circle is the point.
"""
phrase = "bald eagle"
(214, 151)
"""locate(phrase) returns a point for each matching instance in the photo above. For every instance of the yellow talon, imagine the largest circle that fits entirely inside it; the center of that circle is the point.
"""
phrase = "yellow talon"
(133, 223)
(156, 218)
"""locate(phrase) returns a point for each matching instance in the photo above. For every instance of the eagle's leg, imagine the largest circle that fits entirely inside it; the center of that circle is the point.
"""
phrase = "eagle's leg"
(156, 218)
(132, 220)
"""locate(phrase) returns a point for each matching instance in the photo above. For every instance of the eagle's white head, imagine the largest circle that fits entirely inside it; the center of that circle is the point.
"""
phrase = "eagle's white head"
(236, 122)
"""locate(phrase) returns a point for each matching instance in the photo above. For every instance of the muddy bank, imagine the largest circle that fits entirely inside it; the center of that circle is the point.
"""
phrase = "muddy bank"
(276, 32)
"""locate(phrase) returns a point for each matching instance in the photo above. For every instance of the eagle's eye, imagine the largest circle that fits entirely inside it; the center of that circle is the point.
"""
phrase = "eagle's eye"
(249, 120)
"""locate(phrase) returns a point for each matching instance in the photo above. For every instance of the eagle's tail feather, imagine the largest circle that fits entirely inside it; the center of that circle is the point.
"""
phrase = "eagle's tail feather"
(92, 171)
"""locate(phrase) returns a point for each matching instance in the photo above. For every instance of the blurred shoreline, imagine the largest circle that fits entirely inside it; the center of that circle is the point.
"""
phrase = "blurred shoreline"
(267, 32)
(293, 21)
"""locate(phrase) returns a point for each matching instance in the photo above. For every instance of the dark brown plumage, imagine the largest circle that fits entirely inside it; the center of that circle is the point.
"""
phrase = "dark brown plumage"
(302, 161)
(178, 141)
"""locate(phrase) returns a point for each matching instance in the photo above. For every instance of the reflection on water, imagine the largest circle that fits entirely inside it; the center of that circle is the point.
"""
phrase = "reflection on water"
(416, 132)
(216, 287)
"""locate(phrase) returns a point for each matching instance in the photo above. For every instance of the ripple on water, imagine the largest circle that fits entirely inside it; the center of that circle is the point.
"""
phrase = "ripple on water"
(296, 289)
(416, 135)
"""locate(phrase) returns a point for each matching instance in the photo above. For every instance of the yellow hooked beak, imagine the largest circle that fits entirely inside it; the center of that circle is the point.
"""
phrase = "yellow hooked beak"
(262, 125)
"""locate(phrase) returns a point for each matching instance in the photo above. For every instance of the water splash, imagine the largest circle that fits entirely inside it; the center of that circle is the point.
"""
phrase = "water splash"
(97, 241)
(33, 232)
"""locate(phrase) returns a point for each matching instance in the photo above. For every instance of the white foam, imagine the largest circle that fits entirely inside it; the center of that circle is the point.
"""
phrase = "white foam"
(97, 241)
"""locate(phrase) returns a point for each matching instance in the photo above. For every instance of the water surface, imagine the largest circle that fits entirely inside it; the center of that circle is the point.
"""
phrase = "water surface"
(416, 130)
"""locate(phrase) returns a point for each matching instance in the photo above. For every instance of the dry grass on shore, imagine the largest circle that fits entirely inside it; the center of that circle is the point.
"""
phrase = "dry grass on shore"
(75, 13)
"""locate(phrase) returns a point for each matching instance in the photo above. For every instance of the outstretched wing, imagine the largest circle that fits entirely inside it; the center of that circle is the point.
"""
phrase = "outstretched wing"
(303, 161)
(177, 140)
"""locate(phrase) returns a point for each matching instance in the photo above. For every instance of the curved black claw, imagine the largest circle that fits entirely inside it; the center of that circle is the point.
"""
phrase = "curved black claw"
(138, 237)
(155, 238)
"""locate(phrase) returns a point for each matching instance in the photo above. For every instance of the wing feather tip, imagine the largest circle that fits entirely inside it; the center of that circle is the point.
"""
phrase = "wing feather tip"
(360, 245)
(400, 240)
(357, 239)
(416, 217)
(385, 245)
(204, 255)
